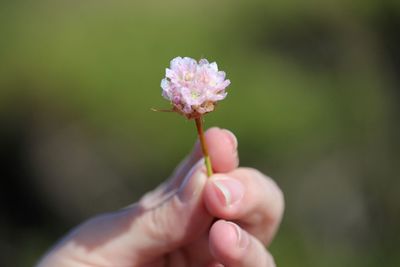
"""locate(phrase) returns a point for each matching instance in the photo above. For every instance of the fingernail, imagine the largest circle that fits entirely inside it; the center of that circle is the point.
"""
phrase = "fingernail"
(232, 138)
(192, 185)
(242, 237)
(229, 190)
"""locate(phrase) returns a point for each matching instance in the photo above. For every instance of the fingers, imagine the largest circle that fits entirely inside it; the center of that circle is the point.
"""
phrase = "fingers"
(247, 197)
(233, 247)
(222, 146)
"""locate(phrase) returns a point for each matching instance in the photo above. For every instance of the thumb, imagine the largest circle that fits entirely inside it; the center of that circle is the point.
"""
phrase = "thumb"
(138, 234)
(180, 219)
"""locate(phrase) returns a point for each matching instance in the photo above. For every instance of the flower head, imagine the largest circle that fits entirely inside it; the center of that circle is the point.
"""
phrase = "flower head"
(193, 87)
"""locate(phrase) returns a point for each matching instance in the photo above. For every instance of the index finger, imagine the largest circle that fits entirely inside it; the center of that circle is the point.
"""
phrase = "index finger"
(222, 147)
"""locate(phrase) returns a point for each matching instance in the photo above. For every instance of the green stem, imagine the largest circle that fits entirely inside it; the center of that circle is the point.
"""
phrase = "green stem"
(200, 132)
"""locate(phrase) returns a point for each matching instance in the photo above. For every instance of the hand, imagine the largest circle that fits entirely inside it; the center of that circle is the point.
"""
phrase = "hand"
(190, 220)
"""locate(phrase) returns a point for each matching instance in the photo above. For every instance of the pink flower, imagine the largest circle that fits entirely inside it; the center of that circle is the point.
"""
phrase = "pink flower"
(193, 87)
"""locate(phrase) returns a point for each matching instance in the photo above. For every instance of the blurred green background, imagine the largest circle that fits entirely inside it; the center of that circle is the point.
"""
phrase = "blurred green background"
(314, 102)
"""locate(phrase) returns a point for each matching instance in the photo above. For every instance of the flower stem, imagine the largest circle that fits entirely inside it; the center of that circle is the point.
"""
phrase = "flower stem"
(200, 132)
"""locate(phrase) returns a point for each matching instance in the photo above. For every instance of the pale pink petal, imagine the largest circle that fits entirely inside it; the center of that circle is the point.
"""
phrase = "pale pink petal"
(214, 66)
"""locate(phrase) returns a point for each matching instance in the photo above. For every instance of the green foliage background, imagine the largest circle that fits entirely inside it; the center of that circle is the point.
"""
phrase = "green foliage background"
(314, 103)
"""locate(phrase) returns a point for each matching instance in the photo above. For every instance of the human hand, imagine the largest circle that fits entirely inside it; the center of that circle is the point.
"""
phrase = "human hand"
(189, 220)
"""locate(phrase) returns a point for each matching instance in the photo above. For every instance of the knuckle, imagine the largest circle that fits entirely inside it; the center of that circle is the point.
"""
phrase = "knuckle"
(262, 182)
(249, 175)
(266, 190)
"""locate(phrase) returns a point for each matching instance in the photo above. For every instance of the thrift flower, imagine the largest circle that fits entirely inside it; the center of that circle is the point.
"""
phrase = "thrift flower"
(193, 87)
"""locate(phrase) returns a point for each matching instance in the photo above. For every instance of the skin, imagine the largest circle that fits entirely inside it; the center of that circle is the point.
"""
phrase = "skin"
(188, 221)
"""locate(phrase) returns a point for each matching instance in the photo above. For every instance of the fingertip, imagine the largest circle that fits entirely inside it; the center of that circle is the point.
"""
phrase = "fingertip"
(223, 134)
(222, 145)
(231, 137)
(222, 148)
(228, 241)
(232, 246)
(222, 196)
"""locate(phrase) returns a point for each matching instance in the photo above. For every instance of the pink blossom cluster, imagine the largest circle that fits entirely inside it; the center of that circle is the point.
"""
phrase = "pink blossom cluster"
(193, 87)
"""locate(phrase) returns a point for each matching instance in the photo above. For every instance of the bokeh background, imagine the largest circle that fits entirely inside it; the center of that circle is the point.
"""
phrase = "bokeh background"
(314, 102)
